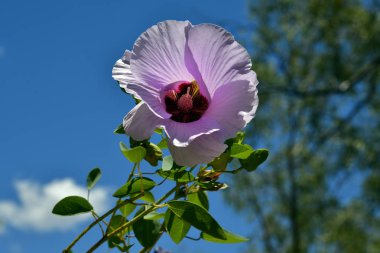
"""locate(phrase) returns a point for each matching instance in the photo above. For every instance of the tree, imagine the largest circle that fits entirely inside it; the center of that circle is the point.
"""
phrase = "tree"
(318, 63)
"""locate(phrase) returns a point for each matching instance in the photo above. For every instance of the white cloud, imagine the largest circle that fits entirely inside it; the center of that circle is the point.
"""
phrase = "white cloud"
(33, 212)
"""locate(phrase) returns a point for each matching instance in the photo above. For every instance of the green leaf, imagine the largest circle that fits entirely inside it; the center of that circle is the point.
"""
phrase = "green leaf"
(181, 175)
(163, 144)
(159, 131)
(119, 130)
(146, 231)
(220, 163)
(212, 185)
(127, 209)
(116, 222)
(197, 216)
(200, 198)
(255, 159)
(93, 177)
(134, 155)
(148, 197)
(123, 248)
(153, 154)
(231, 238)
(241, 151)
(176, 227)
(167, 163)
(136, 185)
(239, 138)
(72, 205)
(154, 216)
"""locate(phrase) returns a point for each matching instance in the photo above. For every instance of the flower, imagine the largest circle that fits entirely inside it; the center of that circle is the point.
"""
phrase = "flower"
(194, 81)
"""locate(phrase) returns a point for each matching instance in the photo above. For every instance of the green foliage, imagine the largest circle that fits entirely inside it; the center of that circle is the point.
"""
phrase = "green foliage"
(167, 163)
(231, 238)
(148, 197)
(134, 155)
(212, 185)
(153, 152)
(180, 175)
(241, 151)
(197, 216)
(127, 209)
(154, 216)
(163, 144)
(124, 248)
(220, 163)
(119, 130)
(72, 205)
(136, 185)
(176, 227)
(146, 231)
(200, 198)
(256, 158)
(93, 177)
(239, 138)
(116, 222)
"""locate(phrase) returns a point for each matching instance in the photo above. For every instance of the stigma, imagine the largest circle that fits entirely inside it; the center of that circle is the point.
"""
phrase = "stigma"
(185, 103)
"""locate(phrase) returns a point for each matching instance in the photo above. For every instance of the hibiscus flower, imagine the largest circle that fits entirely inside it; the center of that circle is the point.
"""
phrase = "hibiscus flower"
(195, 82)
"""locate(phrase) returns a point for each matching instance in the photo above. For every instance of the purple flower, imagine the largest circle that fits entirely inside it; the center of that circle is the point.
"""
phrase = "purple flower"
(195, 81)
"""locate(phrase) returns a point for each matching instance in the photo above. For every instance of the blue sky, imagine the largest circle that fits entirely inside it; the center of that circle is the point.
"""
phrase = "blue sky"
(59, 106)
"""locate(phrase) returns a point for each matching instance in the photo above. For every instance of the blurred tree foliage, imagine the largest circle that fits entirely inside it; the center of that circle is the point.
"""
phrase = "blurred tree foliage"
(318, 63)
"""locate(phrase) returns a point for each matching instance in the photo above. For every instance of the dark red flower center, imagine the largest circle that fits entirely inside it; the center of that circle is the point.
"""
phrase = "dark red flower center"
(185, 103)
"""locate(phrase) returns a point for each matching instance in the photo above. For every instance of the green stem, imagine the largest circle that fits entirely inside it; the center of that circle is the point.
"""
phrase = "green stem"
(97, 217)
(132, 172)
(67, 250)
(131, 222)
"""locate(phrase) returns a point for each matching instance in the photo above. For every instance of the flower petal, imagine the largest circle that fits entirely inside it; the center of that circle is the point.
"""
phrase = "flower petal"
(121, 72)
(151, 97)
(202, 149)
(140, 122)
(234, 105)
(182, 134)
(220, 59)
(158, 57)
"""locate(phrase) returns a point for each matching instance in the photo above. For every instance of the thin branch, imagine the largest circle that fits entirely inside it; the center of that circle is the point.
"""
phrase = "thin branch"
(136, 218)
(67, 250)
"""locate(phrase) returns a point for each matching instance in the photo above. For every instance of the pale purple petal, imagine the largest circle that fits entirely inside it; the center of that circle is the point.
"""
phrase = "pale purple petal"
(140, 122)
(122, 73)
(202, 149)
(152, 98)
(182, 134)
(158, 56)
(234, 105)
(219, 58)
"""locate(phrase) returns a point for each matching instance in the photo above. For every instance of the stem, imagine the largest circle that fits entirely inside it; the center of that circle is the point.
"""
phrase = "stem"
(131, 222)
(99, 220)
(132, 172)
(96, 217)
(141, 177)
(192, 238)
